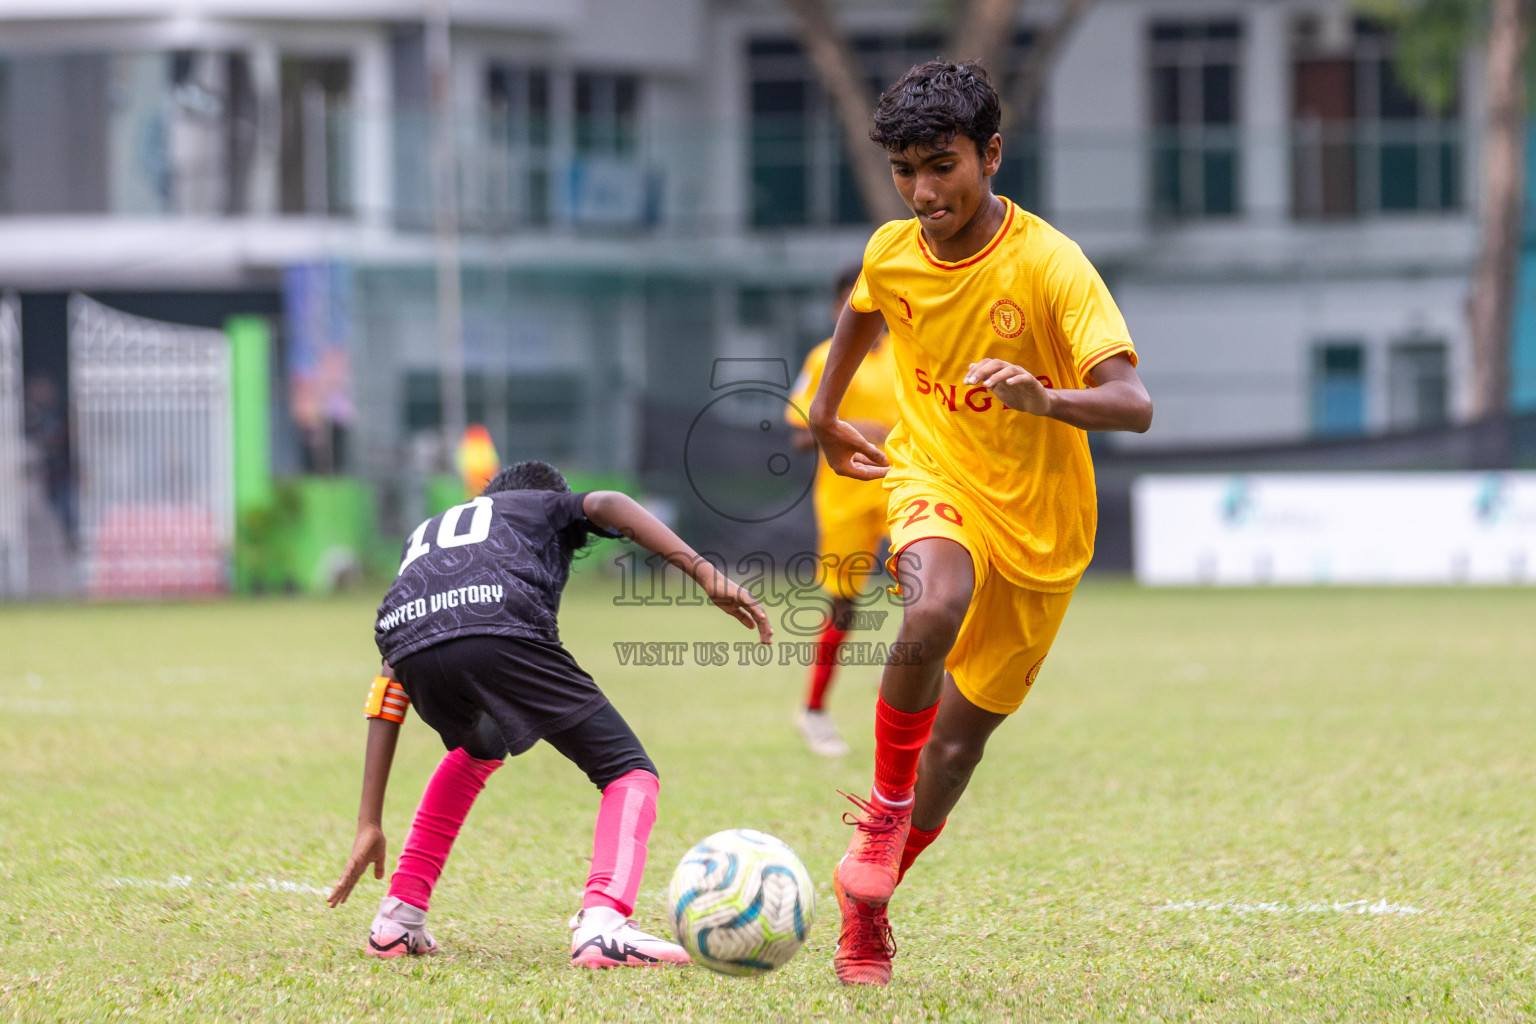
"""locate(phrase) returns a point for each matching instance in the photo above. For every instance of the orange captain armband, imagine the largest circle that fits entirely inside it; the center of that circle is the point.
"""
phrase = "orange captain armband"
(386, 700)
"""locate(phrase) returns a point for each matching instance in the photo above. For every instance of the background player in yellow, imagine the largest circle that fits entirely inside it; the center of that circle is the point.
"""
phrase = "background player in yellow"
(1008, 348)
(850, 513)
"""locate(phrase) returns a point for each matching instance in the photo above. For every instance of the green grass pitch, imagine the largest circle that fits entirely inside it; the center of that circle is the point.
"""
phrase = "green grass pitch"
(1272, 805)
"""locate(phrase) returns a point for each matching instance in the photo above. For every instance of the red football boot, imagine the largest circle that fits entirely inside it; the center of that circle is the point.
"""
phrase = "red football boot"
(865, 945)
(869, 870)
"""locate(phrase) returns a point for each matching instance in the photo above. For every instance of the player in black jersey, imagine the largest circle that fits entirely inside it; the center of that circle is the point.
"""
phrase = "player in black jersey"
(468, 635)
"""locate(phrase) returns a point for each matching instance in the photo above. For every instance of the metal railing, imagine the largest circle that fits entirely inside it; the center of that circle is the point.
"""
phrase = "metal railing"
(1362, 168)
(525, 175)
(150, 410)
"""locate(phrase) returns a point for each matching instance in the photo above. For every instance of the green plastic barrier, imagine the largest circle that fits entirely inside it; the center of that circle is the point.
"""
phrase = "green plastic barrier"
(250, 351)
(335, 534)
(600, 555)
(317, 535)
(443, 492)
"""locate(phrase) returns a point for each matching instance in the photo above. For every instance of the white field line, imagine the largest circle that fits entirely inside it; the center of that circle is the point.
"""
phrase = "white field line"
(248, 885)
(1378, 908)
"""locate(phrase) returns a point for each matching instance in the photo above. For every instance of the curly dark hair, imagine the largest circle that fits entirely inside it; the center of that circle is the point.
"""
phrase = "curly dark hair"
(534, 475)
(935, 103)
(531, 475)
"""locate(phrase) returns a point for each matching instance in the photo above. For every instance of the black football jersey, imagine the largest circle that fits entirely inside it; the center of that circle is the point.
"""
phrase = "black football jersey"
(493, 566)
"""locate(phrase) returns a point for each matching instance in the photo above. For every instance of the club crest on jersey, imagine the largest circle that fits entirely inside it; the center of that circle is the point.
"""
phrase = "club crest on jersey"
(906, 309)
(1007, 318)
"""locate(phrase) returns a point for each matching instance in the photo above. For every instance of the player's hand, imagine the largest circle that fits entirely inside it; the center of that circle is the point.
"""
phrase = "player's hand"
(367, 848)
(1014, 386)
(733, 599)
(849, 452)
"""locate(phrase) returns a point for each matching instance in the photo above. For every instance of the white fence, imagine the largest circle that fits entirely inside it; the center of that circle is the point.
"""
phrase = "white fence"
(13, 476)
(1354, 528)
(150, 410)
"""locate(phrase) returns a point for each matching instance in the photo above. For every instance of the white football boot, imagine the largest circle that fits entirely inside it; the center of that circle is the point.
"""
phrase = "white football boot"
(820, 733)
(602, 937)
(399, 929)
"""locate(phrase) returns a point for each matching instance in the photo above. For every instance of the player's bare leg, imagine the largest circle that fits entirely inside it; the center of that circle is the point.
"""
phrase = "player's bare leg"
(955, 748)
(944, 581)
(938, 576)
(815, 724)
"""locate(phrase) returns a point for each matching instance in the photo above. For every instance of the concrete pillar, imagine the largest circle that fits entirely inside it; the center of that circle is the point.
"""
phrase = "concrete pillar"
(269, 128)
(1266, 113)
(373, 156)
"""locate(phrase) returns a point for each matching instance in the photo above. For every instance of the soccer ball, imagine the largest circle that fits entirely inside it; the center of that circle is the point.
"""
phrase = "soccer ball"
(741, 902)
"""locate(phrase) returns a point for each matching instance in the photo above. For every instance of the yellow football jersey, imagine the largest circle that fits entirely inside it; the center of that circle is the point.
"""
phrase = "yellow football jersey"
(1029, 297)
(871, 396)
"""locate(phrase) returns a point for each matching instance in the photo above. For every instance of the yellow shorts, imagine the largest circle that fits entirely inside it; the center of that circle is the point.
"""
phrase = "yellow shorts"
(850, 547)
(1008, 629)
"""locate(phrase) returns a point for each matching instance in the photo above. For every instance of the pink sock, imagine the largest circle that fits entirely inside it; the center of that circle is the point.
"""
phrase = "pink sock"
(450, 794)
(618, 845)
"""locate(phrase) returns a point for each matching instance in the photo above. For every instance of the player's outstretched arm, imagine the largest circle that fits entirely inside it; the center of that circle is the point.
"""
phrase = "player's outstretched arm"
(1117, 399)
(615, 511)
(368, 846)
(847, 451)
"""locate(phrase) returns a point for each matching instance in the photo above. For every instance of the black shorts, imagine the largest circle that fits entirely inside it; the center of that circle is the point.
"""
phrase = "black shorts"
(529, 689)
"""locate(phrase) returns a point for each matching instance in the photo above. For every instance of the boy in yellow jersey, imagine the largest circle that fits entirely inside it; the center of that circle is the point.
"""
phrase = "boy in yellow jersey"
(1008, 348)
(850, 513)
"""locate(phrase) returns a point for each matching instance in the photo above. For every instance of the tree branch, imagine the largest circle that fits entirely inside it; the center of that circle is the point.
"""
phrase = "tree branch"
(985, 33)
(1030, 85)
(838, 70)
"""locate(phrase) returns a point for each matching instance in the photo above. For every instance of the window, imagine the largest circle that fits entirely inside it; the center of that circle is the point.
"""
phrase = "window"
(316, 153)
(608, 187)
(1361, 145)
(1416, 384)
(607, 114)
(142, 132)
(1338, 388)
(780, 150)
(518, 162)
(58, 121)
(800, 174)
(1195, 118)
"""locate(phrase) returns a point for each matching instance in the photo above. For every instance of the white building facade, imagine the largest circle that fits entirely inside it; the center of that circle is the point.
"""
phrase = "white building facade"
(646, 185)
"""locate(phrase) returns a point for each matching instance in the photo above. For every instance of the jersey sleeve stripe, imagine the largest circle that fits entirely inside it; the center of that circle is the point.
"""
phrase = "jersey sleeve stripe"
(1097, 356)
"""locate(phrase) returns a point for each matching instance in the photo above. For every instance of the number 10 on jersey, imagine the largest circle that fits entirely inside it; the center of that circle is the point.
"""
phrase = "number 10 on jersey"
(448, 535)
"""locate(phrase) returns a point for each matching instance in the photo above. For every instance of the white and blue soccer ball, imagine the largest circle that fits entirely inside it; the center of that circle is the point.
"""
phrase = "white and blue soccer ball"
(741, 902)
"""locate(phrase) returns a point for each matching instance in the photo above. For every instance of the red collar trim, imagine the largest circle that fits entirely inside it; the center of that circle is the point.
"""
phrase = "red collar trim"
(997, 240)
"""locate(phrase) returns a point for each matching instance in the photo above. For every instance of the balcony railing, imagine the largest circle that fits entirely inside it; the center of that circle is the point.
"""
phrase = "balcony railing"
(521, 176)
(1362, 168)
(1196, 171)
